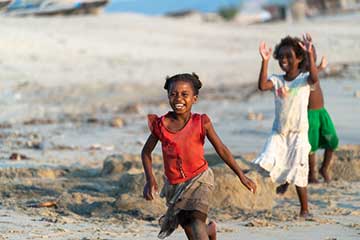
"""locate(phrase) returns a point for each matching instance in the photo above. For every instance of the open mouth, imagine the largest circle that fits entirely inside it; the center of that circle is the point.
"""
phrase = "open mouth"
(179, 106)
(284, 66)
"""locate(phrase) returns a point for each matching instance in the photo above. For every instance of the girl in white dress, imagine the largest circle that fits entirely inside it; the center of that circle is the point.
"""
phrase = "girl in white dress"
(285, 154)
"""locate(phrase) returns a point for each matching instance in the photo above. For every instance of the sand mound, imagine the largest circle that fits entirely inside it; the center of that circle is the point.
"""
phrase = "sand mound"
(116, 189)
(346, 163)
(228, 191)
(118, 164)
(42, 172)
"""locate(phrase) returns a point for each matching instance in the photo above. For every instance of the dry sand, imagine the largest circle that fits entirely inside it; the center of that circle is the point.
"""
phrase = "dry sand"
(74, 96)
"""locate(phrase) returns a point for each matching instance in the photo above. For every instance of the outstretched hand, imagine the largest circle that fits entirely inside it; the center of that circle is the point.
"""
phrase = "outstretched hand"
(248, 183)
(306, 44)
(323, 63)
(265, 52)
(150, 189)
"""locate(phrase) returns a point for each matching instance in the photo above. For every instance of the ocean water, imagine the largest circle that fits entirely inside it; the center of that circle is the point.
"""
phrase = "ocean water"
(159, 7)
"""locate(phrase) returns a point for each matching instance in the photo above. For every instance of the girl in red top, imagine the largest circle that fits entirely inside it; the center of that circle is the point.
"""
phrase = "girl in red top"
(189, 182)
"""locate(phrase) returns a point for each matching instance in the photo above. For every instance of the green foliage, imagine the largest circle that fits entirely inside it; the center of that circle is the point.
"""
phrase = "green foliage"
(228, 12)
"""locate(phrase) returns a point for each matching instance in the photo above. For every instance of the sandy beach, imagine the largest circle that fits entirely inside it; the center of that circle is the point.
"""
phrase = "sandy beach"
(75, 92)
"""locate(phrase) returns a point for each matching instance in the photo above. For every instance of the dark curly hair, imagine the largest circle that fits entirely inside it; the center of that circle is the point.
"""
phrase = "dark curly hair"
(292, 42)
(185, 77)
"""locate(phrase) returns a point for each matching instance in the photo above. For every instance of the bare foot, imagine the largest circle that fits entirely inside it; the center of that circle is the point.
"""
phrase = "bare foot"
(324, 173)
(211, 230)
(313, 180)
(305, 215)
(282, 188)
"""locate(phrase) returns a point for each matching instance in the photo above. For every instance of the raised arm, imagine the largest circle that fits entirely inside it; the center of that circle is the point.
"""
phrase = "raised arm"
(146, 159)
(227, 157)
(265, 53)
(307, 47)
(323, 64)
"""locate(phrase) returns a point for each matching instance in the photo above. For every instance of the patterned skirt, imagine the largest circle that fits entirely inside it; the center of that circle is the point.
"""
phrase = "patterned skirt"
(194, 194)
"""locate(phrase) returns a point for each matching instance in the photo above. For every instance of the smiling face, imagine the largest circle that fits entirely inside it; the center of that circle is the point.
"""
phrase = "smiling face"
(181, 97)
(288, 60)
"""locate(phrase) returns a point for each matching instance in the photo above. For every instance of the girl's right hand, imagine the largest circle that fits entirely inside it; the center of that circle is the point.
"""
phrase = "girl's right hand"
(150, 189)
(265, 52)
(248, 183)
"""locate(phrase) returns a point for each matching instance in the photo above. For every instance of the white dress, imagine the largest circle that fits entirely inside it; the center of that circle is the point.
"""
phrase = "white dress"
(285, 154)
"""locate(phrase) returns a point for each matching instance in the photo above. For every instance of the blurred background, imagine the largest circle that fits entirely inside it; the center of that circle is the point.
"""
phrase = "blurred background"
(268, 9)
(78, 78)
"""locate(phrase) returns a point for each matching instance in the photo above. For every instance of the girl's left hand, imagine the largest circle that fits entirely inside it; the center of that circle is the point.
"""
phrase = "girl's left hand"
(306, 45)
(248, 183)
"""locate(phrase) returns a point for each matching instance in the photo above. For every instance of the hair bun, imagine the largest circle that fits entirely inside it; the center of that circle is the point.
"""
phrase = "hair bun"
(195, 75)
(197, 83)
(167, 82)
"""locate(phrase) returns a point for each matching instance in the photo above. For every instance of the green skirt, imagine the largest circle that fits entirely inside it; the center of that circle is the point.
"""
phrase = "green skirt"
(322, 133)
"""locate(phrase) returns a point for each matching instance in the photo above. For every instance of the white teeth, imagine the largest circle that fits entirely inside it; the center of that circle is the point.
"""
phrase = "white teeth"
(178, 106)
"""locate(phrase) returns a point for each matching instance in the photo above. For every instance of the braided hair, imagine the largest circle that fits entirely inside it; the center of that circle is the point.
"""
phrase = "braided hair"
(184, 77)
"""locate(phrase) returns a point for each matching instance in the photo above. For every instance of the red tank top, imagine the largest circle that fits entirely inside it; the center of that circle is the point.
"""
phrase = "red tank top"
(183, 151)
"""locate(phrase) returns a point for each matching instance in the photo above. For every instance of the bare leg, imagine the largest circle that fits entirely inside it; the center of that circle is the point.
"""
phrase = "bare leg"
(312, 167)
(302, 194)
(211, 230)
(188, 231)
(282, 188)
(193, 222)
(199, 230)
(324, 170)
